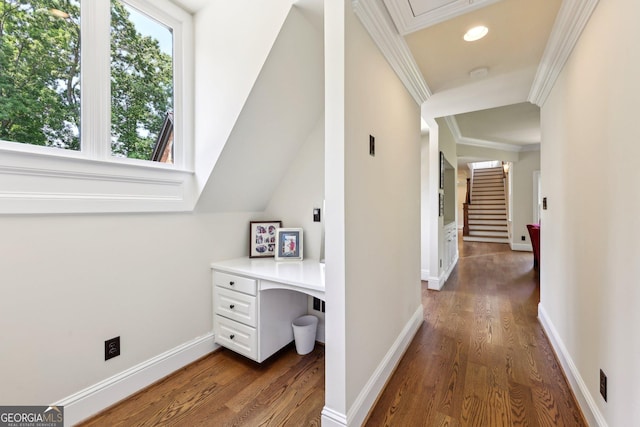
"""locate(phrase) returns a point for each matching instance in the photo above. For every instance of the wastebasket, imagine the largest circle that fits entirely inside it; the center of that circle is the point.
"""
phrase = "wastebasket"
(304, 333)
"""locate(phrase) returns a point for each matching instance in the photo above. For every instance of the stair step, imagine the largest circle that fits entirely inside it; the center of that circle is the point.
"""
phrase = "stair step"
(496, 169)
(482, 227)
(480, 208)
(502, 234)
(475, 193)
(484, 221)
(486, 179)
(483, 216)
(487, 187)
(487, 204)
(485, 239)
(488, 197)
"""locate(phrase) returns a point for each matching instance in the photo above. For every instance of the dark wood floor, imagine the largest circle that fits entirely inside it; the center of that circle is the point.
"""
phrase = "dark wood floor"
(479, 359)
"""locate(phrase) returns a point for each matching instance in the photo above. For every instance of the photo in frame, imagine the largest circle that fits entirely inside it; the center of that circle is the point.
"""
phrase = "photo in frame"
(262, 238)
(441, 205)
(289, 244)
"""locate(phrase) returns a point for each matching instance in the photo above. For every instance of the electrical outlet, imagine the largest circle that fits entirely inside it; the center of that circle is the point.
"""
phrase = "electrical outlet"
(603, 385)
(523, 238)
(372, 146)
(111, 348)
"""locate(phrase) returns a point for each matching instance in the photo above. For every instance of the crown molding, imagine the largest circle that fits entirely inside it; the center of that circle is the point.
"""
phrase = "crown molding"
(571, 20)
(452, 123)
(408, 22)
(378, 23)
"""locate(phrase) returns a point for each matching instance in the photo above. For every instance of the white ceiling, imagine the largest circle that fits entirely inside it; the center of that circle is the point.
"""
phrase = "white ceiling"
(518, 34)
(492, 108)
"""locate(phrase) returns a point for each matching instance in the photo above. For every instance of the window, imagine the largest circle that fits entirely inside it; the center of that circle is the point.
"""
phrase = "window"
(141, 83)
(40, 73)
(93, 94)
(41, 60)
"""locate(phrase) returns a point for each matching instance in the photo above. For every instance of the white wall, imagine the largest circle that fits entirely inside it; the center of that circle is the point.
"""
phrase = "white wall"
(281, 110)
(425, 202)
(228, 59)
(382, 208)
(522, 203)
(589, 266)
(301, 190)
(378, 278)
(71, 282)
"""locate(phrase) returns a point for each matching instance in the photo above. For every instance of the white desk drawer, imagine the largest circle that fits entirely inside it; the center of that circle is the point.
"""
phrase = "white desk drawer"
(237, 283)
(236, 336)
(235, 305)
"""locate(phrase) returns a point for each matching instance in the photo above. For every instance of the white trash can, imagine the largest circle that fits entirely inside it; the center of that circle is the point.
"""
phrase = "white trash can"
(304, 333)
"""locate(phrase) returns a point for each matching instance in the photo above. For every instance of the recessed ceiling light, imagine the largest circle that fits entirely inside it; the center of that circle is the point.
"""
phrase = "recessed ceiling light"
(476, 33)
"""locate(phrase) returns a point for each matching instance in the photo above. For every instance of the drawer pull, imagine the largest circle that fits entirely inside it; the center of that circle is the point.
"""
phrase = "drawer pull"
(231, 306)
(232, 283)
(232, 336)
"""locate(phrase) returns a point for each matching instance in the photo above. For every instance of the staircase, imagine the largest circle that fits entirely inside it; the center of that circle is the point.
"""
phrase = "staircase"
(487, 210)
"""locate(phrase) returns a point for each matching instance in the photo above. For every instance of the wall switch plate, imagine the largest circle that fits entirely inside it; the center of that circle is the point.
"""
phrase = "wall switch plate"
(316, 214)
(544, 203)
(322, 310)
(111, 348)
(372, 146)
(523, 238)
(603, 385)
(316, 304)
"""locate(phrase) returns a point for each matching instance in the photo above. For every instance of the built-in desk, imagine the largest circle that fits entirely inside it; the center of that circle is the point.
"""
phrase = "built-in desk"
(256, 299)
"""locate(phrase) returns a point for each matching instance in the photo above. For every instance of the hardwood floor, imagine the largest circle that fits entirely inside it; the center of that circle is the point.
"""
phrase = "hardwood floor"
(479, 359)
(224, 389)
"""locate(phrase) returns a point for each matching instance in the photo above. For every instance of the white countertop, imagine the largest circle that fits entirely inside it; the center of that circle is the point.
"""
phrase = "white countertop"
(307, 275)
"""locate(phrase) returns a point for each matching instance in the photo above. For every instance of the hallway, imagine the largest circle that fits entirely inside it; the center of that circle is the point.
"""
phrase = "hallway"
(481, 357)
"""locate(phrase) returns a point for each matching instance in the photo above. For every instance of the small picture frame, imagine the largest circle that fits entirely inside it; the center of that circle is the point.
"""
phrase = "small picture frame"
(441, 205)
(262, 238)
(289, 244)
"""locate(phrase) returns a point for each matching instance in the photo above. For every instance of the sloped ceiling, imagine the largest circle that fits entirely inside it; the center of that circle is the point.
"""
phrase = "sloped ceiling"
(285, 103)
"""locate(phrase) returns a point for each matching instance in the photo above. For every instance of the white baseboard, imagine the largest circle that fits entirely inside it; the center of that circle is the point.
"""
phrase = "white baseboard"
(358, 412)
(523, 247)
(437, 283)
(585, 399)
(424, 275)
(85, 403)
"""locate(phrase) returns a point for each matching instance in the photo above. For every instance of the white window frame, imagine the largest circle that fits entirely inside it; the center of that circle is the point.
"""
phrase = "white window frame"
(35, 179)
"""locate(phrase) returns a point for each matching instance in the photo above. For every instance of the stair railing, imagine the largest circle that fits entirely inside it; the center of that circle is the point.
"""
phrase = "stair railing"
(465, 209)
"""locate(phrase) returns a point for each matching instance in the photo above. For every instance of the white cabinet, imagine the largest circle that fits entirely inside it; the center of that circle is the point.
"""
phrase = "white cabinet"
(450, 249)
(252, 322)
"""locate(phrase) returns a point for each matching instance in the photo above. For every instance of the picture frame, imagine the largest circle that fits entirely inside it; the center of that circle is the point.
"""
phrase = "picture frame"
(262, 238)
(441, 170)
(441, 205)
(289, 244)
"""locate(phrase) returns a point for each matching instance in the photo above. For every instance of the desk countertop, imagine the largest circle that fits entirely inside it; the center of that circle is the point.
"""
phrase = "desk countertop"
(307, 274)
